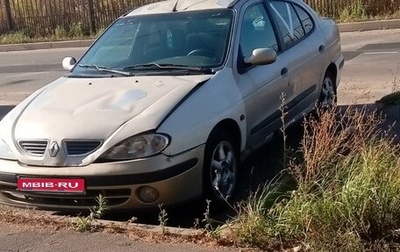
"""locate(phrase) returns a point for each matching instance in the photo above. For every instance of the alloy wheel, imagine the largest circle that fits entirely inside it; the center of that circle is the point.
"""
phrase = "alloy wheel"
(223, 170)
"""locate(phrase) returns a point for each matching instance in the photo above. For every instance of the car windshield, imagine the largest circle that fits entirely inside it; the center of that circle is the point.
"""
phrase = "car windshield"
(182, 42)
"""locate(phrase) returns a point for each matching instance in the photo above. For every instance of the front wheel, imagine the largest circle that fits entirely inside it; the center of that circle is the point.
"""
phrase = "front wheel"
(220, 167)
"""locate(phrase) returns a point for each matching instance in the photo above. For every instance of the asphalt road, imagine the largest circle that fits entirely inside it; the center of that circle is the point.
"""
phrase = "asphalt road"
(36, 239)
(372, 67)
(371, 70)
(22, 72)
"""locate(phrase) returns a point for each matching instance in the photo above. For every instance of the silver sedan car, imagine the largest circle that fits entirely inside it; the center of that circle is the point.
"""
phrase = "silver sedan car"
(165, 104)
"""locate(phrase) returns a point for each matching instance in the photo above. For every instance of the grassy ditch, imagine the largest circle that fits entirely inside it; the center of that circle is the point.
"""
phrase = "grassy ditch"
(344, 195)
(74, 32)
(360, 11)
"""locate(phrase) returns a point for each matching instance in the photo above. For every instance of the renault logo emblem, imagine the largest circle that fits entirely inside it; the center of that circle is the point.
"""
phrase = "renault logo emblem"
(53, 149)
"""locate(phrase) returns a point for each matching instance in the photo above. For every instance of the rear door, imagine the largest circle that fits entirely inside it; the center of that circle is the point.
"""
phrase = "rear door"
(302, 47)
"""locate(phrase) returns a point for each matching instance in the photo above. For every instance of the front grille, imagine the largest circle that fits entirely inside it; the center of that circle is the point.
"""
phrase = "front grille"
(36, 148)
(77, 148)
(114, 197)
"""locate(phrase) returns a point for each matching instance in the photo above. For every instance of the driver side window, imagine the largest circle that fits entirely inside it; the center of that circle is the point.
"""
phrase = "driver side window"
(256, 31)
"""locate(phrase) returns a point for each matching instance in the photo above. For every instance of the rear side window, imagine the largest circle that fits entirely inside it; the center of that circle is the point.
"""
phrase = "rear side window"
(288, 22)
(305, 19)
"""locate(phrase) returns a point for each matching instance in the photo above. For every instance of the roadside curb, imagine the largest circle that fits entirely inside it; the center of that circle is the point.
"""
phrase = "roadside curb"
(45, 45)
(369, 25)
(37, 216)
(343, 27)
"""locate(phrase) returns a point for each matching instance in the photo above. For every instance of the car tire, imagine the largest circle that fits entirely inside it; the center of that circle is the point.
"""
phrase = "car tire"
(328, 96)
(220, 168)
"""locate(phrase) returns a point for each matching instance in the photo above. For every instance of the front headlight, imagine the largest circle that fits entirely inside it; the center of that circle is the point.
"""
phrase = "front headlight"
(5, 151)
(137, 147)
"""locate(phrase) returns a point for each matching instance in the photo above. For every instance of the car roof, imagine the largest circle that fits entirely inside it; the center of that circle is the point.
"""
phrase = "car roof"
(186, 5)
(181, 5)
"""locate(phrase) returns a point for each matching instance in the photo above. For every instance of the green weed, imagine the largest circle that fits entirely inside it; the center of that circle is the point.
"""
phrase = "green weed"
(15, 37)
(163, 219)
(355, 12)
(77, 30)
(60, 33)
(83, 224)
(346, 195)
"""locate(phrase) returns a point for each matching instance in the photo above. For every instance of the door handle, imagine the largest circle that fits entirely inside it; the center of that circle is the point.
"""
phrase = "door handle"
(321, 48)
(284, 71)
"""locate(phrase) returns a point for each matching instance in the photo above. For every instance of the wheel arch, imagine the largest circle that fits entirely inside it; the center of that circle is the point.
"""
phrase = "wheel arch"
(232, 127)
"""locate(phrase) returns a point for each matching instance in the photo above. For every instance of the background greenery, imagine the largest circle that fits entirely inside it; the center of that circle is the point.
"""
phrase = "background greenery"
(27, 20)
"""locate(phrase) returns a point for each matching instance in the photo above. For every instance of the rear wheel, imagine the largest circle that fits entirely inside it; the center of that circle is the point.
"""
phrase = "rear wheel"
(328, 95)
(220, 167)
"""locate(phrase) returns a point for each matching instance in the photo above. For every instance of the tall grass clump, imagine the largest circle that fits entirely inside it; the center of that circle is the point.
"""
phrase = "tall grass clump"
(345, 195)
(15, 37)
(74, 31)
(354, 12)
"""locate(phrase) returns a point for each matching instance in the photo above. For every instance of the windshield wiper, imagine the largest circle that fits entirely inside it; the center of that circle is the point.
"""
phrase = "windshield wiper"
(106, 69)
(154, 65)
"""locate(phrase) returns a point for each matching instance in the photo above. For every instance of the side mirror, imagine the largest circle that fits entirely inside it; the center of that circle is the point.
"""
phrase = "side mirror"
(68, 63)
(261, 56)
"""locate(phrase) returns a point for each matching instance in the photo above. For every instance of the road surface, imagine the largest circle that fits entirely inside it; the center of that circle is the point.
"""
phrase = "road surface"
(35, 239)
(371, 70)
(372, 67)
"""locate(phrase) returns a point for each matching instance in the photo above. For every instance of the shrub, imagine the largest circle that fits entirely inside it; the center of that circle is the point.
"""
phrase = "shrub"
(77, 30)
(356, 11)
(391, 99)
(347, 193)
(60, 32)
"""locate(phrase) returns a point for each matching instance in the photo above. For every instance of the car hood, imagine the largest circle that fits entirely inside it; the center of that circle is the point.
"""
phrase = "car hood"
(95, 108)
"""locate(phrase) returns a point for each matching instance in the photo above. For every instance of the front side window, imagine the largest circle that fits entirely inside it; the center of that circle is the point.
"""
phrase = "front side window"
(288, 22)
(256, 31)
(160, 42)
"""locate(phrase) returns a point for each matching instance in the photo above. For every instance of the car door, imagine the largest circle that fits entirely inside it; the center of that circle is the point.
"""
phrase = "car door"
(264, 87)
(302, 45)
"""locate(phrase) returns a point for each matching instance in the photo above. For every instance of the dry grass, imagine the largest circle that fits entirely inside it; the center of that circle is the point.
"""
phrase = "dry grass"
(346, 195)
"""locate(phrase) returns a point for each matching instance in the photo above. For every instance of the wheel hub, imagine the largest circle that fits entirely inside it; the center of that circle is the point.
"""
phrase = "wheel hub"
(223, 170)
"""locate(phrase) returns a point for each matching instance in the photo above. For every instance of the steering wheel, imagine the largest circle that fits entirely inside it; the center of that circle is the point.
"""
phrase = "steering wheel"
(201, 52)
